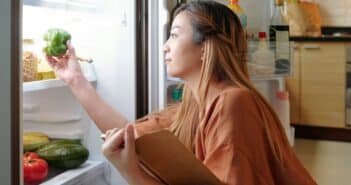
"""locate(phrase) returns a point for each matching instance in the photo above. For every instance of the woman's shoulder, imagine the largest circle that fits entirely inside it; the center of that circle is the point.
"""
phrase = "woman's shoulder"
(231, 102)
(234, 95)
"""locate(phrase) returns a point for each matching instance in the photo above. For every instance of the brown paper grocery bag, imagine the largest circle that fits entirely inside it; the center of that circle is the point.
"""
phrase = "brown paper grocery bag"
(304, 19)
(164, 157)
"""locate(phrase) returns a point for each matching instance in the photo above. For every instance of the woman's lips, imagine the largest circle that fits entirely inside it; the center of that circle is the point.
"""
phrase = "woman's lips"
(167, 60)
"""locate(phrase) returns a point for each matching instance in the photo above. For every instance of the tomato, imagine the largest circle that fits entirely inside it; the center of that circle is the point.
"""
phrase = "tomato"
(30, 155)
(35, 170)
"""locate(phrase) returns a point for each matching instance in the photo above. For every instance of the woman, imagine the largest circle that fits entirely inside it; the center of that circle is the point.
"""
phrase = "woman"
(222, 118)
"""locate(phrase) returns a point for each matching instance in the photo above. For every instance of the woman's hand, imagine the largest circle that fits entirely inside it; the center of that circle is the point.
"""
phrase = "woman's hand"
(66, 66)
(119, 149)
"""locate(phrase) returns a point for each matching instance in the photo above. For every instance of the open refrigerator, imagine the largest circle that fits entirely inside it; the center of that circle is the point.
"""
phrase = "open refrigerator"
(107, 32)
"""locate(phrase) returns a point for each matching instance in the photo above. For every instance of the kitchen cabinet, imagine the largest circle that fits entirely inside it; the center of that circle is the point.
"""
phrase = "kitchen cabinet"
(292, 83)
(317, 86)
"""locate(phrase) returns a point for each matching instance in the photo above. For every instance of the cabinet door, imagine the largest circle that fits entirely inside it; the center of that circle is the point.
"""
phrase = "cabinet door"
(293, 85)
(323, 78)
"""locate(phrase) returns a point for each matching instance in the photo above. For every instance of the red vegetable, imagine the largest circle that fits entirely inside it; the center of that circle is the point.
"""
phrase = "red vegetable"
(30, 155)
(35, 170)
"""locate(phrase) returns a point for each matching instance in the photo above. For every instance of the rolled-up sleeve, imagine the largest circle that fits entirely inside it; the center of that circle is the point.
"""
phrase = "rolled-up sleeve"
(151, 124)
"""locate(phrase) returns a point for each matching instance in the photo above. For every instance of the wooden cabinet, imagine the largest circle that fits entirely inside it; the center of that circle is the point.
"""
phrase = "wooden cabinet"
(318, 85)
(293, 86)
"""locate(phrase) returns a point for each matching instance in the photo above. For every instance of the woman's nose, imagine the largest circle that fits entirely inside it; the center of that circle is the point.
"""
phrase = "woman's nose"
(165, 47)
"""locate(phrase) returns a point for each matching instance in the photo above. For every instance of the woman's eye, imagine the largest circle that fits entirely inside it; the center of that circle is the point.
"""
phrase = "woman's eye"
(173, 35)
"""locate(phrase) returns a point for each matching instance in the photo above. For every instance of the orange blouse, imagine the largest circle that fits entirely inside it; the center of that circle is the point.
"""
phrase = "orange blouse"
(232, 143)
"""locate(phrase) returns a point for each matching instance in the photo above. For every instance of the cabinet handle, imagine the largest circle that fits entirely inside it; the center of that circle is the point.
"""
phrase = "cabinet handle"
(312, 46)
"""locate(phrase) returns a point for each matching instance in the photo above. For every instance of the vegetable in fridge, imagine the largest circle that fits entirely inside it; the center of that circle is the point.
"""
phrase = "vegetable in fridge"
(35, 170)
(56, 40)
(64, 155)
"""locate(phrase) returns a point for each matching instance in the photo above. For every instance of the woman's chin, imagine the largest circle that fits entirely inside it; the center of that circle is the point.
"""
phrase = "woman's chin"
(173, 73)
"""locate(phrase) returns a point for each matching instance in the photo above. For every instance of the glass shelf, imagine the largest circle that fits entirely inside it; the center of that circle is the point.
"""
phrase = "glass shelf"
(87, 69)
(86, 173)
(278, 65)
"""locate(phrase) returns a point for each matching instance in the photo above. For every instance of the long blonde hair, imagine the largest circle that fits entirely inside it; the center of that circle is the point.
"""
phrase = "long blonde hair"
(225, 54)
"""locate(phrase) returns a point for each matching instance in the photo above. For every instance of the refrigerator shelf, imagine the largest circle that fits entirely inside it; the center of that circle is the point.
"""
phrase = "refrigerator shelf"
(171, 83)
(87, 69)
(91, 172)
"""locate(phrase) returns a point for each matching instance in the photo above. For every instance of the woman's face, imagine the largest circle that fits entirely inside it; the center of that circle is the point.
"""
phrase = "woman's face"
(182, 56)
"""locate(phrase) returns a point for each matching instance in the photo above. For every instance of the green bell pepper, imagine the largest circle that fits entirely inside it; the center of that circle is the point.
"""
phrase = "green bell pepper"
(56, 40)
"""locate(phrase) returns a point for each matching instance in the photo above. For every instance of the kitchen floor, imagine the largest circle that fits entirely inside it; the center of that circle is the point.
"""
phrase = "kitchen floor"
(329, 162)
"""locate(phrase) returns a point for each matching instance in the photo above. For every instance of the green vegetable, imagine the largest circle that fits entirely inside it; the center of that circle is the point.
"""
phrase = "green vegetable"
(59, 142)
(64, 155)
(56, 40)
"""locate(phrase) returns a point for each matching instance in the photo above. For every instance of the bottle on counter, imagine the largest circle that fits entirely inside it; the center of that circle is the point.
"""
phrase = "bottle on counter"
(263, 57)
(235, 7)
(279, 34)
(277, 19)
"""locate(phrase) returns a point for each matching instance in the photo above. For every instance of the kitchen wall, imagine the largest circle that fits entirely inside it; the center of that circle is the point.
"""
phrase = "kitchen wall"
(258, 13)
(335, 12)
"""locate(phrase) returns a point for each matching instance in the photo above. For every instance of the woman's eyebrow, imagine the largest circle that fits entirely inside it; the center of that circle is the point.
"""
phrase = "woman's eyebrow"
(175, 27)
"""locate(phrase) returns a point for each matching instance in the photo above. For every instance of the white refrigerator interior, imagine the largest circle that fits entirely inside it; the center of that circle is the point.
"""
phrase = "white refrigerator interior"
(107, 35)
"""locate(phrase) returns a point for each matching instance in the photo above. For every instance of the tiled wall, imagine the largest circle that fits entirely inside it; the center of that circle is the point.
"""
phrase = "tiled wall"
(335, 12)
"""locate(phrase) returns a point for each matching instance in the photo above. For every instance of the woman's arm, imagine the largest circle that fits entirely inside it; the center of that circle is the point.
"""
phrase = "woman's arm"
(103, 114)
(68, 69)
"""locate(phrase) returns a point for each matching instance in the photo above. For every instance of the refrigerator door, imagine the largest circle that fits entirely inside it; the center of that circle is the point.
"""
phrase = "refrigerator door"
(9, 93)
(161, 84)
(159, 17)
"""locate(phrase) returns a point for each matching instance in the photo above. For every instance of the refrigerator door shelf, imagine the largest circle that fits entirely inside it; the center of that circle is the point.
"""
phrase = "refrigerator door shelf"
(73, 130)
(172, 82)
(87, 69)
(173, 79)
(90, 173)
(51, 118)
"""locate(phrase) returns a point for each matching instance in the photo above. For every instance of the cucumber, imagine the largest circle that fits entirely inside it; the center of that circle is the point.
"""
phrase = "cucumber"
(64, 155)
(58, 142)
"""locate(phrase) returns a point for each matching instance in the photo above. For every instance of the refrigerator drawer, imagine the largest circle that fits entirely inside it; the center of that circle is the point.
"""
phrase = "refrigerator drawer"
(90, 173)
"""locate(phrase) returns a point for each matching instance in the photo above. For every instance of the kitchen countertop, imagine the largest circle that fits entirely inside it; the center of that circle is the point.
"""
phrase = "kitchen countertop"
(323, 38)
(329, 34)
